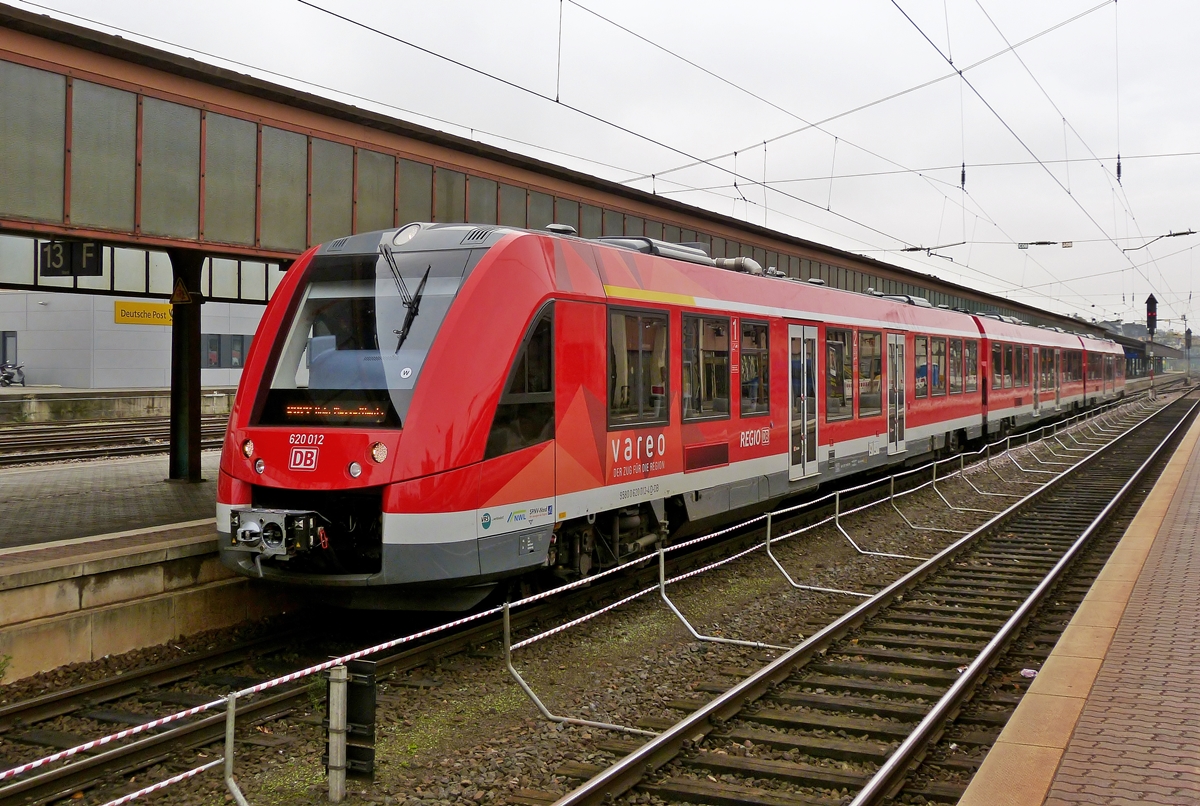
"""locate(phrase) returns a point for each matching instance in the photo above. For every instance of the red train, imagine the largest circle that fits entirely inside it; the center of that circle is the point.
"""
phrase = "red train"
(428, 411)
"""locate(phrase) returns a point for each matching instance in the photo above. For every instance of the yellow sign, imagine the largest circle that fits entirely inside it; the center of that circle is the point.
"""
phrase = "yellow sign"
(141, 313)
(180, 295)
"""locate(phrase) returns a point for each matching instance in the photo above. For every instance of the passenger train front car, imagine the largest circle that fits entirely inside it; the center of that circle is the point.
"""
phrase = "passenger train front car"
(430, 411)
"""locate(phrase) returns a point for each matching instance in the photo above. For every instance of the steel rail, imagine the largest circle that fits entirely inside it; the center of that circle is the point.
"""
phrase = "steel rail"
(891, 775)
(57, 703)
(627, 772)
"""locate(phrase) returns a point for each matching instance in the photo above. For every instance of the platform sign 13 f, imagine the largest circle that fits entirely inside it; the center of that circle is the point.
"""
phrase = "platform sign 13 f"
(70, 259)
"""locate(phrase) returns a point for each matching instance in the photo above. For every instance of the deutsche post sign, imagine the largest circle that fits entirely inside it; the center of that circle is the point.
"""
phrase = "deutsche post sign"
(141, 313)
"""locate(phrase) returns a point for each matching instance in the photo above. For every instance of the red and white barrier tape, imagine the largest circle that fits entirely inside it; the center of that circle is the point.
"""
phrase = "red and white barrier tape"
(183, 776)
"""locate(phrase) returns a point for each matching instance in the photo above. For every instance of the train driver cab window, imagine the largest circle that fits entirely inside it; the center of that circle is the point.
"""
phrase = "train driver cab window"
(839, 374)
(921, 367)
(1008, 366)
(956, 367)
(870, 374)
(971, 366)
(353, 351)
(525, 415)
(755, 369)
(997, 366)
(705, 367)
(937, 366)
(637, 368)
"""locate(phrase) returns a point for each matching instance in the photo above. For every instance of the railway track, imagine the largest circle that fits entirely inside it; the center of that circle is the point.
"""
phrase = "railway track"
(851, 711)
(31, 443)
(155, 692)
(99, 708)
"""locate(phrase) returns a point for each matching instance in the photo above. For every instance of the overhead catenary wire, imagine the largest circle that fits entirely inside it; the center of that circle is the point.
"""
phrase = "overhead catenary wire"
(1126, 205)
(1008, 127)
(846, 218)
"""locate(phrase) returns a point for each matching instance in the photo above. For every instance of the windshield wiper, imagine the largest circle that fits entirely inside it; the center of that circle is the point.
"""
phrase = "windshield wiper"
(413, 305)
(400, 286)
(410, 301)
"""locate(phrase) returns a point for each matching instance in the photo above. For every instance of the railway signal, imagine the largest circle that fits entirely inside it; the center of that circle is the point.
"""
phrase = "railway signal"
(1151, 314)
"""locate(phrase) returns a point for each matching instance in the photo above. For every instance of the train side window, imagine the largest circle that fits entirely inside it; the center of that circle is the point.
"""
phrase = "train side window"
(1008, 366)
(755, 369)
(971, 365)
(705, 367)
(1026, 378)
(839, 374)
(937, 366)
(1018, 379)
(638, 391)
(870, 374)
(525, 415)
(956, 366)
(997, 366)
(921, 367)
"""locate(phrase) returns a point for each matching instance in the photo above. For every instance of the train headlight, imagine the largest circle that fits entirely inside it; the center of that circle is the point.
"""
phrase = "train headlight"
(260, 466)
(248, 448)
(355, 470)
(379, 452)
(406, 234)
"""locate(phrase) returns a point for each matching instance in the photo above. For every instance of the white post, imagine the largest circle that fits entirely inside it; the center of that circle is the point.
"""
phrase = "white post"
(337, 734)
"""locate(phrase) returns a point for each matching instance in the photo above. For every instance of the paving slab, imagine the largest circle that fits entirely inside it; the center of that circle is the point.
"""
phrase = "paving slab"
(68, 500)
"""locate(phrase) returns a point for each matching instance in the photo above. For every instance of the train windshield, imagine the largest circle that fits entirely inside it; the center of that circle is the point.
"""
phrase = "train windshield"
(357, 341)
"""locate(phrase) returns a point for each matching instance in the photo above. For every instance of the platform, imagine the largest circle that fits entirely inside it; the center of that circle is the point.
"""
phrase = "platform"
(63, 501)
(1113, 716)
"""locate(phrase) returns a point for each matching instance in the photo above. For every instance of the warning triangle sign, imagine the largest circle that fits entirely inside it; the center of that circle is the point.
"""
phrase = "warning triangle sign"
(180, 295)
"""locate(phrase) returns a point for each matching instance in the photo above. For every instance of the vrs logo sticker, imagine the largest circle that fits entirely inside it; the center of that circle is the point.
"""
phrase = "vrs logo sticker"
(303, 459)
(485, 521)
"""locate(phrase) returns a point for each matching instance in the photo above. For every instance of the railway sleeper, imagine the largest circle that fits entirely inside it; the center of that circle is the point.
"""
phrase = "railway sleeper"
(792, 772)
(886, 671)
(817, 747)
(908, 629)
(717, 793)
(900, 656)
(912, 691)
(906, 642)
(833, 723)
(947, 619)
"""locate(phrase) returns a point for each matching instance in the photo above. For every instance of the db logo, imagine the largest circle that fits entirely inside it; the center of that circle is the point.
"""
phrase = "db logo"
(486, 520)
(303, 459)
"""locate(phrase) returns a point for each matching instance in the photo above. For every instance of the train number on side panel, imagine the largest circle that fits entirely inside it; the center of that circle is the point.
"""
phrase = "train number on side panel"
(638, 455)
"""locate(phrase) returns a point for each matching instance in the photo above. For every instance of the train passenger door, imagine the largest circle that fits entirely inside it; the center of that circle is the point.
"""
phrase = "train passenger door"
(803, 385)
(1057, 379)
(895, 384)
(1035, 366)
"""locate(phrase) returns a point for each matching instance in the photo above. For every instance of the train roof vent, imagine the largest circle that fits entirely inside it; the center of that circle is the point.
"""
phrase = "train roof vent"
(816, 281)
(745, 264)
(652, 246)
(995, 316)
(561, 229)
(920, 302)
(477, 235)
(336, 246)
(944, 307)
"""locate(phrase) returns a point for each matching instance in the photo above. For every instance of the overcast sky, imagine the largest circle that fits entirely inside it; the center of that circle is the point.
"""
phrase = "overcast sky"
(858, 90)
